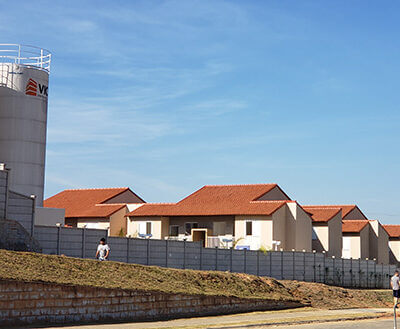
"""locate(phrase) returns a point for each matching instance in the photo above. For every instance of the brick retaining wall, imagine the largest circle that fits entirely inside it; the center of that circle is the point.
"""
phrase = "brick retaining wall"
(43, 303)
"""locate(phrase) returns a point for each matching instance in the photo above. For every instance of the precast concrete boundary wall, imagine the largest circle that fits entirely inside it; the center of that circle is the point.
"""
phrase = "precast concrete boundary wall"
(16, 206)
(3, 193)
(302, 266)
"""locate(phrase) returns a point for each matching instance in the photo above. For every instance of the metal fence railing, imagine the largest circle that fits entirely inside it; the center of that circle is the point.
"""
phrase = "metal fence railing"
(25, 55)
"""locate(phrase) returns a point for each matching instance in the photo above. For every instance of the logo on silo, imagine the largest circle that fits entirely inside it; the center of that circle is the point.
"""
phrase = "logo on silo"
(31, 88)
(36, 89)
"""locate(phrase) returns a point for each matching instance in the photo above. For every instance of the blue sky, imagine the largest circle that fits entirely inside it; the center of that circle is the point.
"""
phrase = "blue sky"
(167, 96)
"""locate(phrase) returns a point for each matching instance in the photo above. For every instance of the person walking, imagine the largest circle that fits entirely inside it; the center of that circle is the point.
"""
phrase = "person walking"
(103, 250)
(395, 284)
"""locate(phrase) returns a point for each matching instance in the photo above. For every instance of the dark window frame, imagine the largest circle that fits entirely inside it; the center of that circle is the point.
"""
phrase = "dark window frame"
(174, 227)
(249, 228)
(149, 226)
(192, 226)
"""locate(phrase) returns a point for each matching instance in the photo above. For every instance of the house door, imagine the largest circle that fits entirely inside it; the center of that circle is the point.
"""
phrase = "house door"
(199, 235)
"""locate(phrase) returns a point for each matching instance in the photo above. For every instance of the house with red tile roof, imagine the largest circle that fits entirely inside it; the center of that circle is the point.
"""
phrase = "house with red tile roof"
(103, 208)
(249, 216)
(327, 229)
(349, 211)
(355, 238)
(394, 243)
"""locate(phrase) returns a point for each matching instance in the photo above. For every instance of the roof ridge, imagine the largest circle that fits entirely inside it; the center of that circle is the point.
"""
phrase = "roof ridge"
(110, 204)
(230, 185)
(97, 188)
(321, 207)
(355, 220)
(331, 205)
(267, 201)
(158, 203)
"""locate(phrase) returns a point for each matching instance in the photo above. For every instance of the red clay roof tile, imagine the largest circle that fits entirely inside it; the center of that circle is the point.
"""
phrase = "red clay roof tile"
(353, 226)
(392, 230)
(346, 209)
(321, 214)
(86, 202)
(214, 200)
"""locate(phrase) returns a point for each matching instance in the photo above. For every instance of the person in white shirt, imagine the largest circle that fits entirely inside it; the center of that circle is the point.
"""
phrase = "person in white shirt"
(395, 284)
(103, 250)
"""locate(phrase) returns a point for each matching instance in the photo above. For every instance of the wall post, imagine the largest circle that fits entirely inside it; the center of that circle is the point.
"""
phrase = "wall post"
(294, 264)
(148, 251)
(334, 270)
(245, 261)
(83, 242)
(201, 256)
(258, 262)
(231, 259)
(166, 253)
(315, 266)
(270, 264)
(351, 272)
(184, 254)
(7, 171)
(59, 240)
(33, 198)
(342, 272)
(216, 258)
(127, 249)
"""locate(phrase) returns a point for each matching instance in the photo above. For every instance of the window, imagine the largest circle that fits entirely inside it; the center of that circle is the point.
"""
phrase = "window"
(189, 226)
(219, 228)
(249, 228)
(144, 228)
(148, 228)
(174, 230)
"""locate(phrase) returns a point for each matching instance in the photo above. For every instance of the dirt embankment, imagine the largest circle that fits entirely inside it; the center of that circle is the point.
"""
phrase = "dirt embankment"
(33, 267)
(328, 297)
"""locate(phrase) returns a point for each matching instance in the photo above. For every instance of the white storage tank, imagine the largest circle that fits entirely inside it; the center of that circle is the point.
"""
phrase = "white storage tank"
(24, 81)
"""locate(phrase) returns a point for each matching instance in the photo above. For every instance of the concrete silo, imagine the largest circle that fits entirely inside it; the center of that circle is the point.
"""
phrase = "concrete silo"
(24, 80)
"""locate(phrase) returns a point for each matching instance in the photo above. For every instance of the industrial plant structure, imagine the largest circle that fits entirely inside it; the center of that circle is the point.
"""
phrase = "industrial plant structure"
(24, 80)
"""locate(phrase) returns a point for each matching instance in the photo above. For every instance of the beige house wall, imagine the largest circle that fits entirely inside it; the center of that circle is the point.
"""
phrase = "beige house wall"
(322, 233)
(298, 228)
(113, 224)
(355, 250)
(159, 226)
(335, 244)
(262, 231)
(279, 227)
(378, 243)
(118, 223)
(394, 246)
(99, 223)
(364, 242)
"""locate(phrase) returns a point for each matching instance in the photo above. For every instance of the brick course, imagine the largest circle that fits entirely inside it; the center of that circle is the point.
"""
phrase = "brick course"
(44, 303)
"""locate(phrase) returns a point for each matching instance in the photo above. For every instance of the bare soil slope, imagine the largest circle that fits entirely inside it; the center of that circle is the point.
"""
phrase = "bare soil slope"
(33, 267)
